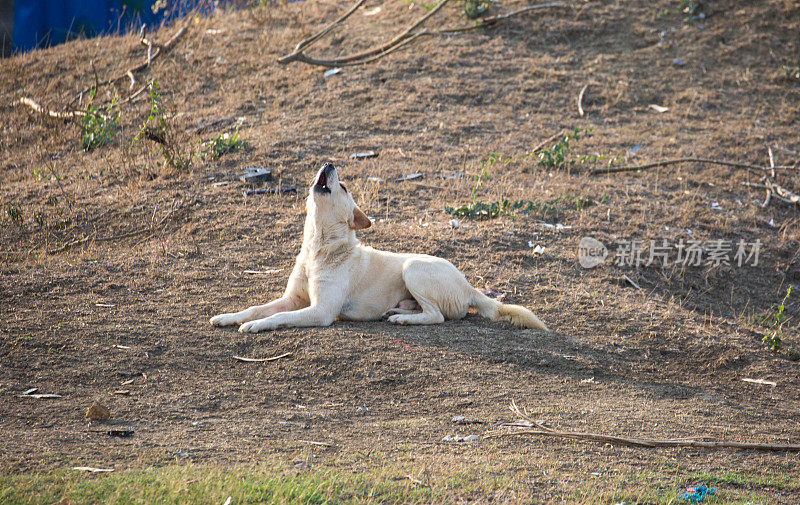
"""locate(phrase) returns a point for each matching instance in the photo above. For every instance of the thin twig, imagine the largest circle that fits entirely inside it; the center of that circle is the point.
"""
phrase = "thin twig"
(313, 442)
(71, 114)
(613, 170)
(312, 39)
(647, 442)
(634, 442)
(160, 50)
(549, 139)
(261, 360)
(299, 56)
(401, 40)
(580, 99)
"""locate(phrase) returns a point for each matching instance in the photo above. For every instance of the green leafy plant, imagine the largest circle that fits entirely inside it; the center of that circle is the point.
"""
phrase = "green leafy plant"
(222, 144)
(692, 10)
(98, 126)
(15, 213)
(559, 156)
(774, 337)
(426, 6)
(473, 9)
(159, 128)
(791, 72)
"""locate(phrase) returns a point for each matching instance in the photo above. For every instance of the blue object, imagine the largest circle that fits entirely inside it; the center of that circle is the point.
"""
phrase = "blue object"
(44, 23)
(698, 494)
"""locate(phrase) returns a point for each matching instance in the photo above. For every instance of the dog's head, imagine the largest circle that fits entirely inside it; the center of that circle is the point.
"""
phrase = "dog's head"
(331, 204)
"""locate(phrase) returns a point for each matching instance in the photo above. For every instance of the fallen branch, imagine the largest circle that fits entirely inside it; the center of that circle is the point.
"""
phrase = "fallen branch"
(580, 99)
(261, 360)
(646, 442)
(613, 170)
(47, 112)
(128, 74)
(299, 56)
(151, 56)
(401, 40)
(633, 442)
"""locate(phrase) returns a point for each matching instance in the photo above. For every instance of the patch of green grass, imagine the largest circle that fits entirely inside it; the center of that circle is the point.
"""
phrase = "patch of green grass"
(452, 475)
(98, 126)
(222, 144)
(203, 485)
(159, 128)
(783, 482)
(481, 210)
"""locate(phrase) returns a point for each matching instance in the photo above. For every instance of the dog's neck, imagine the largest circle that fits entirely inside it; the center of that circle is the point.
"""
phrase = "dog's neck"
(328, 244)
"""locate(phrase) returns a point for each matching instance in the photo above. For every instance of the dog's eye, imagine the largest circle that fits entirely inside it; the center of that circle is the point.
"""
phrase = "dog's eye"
(343, 187)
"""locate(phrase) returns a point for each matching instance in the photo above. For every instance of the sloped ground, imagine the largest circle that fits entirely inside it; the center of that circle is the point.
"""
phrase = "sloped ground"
(666, 360)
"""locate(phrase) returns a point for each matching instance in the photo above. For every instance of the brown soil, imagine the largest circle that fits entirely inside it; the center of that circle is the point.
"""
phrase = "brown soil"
(664, 361)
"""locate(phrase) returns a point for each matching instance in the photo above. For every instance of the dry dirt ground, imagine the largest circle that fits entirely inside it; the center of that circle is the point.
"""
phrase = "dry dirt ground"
(664, 361)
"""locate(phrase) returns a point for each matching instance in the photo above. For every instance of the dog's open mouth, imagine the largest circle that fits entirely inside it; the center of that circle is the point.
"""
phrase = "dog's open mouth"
(322, 181)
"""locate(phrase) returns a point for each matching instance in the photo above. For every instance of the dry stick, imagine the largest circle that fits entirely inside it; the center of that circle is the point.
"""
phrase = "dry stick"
(133, 233)
(647, 442)
(161, 49)
(41, 110)
(636, 442)
(261, 360)
(783, 193)
(312, 39)
(547, 141)
(446, 31)
(580, 99)
(299, 56)
(406, 38)
(613, 170)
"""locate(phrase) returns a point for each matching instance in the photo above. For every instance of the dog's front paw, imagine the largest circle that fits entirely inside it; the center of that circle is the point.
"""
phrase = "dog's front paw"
(398, 319)
(225, 320)
(255, 326)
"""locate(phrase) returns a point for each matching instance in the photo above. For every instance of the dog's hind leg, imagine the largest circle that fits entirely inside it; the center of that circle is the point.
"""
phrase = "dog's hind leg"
(430, 313)
(438, 288)
(409, 306)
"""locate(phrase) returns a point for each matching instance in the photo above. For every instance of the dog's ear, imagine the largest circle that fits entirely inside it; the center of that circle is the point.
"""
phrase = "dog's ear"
(360, 220)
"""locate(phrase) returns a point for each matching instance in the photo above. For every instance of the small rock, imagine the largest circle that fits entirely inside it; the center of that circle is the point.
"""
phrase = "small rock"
(459, 419)
(454, 223)
(98, 412)
(254, 175)
(472, 438)
(679, 62)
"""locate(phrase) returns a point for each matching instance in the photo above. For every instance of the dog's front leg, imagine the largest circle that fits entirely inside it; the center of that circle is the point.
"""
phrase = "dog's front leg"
(315, 315)
(283, 304)
(326, 304)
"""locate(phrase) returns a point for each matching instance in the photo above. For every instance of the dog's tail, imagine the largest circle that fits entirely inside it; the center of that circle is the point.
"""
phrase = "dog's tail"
(514, 314)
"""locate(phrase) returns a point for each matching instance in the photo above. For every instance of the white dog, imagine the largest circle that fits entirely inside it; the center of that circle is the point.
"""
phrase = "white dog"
(335, 276)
